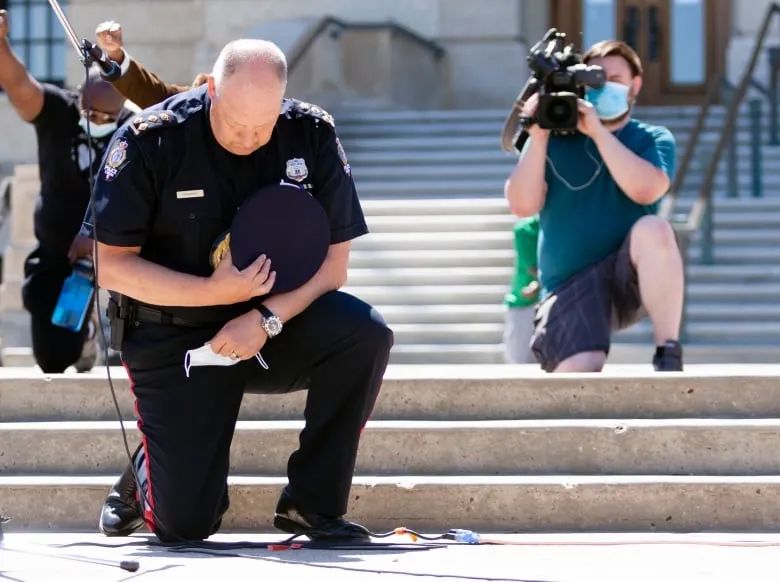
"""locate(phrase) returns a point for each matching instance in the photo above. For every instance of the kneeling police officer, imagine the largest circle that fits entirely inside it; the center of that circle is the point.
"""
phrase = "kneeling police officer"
(170, 185)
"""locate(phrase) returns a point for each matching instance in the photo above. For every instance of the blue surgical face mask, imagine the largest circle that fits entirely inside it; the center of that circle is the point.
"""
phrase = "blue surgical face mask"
(97, 130)
(610, 101)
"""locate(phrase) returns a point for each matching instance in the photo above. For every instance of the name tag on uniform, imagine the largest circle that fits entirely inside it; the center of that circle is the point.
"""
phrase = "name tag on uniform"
(190, 194)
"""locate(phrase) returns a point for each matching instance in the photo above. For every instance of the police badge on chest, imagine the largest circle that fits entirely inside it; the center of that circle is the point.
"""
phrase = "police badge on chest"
(297, 170)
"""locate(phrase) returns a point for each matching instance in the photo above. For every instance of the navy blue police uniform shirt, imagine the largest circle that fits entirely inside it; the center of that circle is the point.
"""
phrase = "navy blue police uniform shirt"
(168, 187)
(63, 162)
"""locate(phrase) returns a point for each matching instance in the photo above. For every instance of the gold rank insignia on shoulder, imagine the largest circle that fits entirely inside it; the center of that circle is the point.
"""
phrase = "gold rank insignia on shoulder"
(147, 121)
(307, 109)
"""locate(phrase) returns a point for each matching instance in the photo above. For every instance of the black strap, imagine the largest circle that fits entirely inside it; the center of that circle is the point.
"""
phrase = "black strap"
(151, 315)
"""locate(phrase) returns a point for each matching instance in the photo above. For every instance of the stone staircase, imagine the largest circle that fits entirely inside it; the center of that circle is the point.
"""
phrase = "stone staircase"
(439, 258)
(491, 448)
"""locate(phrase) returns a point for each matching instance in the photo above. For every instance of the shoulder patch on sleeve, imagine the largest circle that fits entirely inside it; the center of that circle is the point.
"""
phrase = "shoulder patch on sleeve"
(115, 160)
(149, 120)
(304, 109)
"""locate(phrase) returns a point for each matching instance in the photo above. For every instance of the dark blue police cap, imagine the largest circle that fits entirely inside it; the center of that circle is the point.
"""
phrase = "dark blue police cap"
(289, 226)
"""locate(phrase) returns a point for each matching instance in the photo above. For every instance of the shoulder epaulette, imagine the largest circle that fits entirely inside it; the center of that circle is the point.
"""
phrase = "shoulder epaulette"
(302, 109)
(149, 120)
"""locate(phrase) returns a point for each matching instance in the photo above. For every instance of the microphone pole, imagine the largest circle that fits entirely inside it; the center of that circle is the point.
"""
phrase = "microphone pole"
(88, 52)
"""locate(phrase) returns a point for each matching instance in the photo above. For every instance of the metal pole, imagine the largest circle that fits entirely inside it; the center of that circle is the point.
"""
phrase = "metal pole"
(69, 32)
(755, 148)
(707, 255)
(732, 187)
(774, 64)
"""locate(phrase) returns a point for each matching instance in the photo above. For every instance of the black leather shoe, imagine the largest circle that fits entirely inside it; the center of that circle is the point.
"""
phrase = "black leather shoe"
(319, 528)
(668, 357)
(121, 514)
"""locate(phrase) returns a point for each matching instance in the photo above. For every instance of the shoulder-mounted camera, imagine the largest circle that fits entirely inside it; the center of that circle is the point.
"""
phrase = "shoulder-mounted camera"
(560, 77)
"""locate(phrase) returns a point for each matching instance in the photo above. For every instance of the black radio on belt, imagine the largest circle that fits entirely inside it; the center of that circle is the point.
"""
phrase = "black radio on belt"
(120, 312)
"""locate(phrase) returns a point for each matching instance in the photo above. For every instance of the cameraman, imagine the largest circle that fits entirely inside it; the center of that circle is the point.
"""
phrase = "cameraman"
(605, 259)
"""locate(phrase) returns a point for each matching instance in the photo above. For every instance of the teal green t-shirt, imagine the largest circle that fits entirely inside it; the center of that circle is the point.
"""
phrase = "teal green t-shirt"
(526, 242)
(586, 216)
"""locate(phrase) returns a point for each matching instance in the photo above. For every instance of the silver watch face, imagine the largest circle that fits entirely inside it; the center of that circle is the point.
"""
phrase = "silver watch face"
(272, 325)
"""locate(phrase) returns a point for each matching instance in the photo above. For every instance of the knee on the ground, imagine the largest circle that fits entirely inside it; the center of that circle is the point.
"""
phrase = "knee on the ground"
(183, 526)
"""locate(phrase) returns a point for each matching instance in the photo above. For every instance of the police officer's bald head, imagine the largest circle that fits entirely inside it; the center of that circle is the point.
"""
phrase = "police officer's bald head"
(249, 54)
(246, 89)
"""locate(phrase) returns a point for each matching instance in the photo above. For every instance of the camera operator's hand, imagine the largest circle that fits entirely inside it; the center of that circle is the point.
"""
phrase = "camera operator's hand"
(529, 110)
(588, 122)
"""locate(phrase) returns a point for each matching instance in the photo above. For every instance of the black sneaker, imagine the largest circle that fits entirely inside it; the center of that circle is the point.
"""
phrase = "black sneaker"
(320, 528)
(668, 357)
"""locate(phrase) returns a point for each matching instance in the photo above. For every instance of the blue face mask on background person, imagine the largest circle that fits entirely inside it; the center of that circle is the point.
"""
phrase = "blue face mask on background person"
(610, 101)
(98, 130)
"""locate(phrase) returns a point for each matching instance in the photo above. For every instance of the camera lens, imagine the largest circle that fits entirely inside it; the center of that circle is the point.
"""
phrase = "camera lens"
(559, 111)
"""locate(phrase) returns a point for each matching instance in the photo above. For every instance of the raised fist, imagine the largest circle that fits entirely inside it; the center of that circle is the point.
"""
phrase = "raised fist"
(108, 35)
(3, 24)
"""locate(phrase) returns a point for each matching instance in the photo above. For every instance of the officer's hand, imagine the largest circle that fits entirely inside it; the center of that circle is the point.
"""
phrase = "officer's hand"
(229, 285)
(3, 24)
(529, 110)
(240, 338)
(108, 35)
(82, 246)
(588, 122)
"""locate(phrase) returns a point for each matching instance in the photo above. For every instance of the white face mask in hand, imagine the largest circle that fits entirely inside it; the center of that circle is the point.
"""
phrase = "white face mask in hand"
(205, 356)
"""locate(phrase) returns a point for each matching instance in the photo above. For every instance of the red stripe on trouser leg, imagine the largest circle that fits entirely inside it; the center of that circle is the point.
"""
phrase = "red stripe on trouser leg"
(143, 473)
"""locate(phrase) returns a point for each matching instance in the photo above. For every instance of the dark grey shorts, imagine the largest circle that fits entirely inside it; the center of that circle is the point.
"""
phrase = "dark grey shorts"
(581, 314)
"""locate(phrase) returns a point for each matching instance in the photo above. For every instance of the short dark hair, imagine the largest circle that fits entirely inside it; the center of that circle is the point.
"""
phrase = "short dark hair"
(615, 48)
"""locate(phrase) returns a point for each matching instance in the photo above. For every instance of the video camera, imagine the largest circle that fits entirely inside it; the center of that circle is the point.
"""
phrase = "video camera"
(560, 77)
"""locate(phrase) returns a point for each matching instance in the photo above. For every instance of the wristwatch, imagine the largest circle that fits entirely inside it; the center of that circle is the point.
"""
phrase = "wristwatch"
(270, 322)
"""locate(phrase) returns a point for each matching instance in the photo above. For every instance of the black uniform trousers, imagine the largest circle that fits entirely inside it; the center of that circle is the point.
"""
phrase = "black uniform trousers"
(337, 348)
(55, 348)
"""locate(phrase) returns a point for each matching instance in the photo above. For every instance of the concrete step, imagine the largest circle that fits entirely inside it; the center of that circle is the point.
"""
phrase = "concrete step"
(438, 206)
(482, 503)
(725, 208)
(443, 223)
(465, 258)
(742, 255)
(724, 314)
(380, 273)
(620, 353)
(643, 112)
(425, 188)
(700, 332)
(452, 392)
(450, 173)
(427, 139)
(500, 447)
(424, 241)
(734, 237)
(681, 129)
(481, 294)
(431, 276)
(770, 156)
